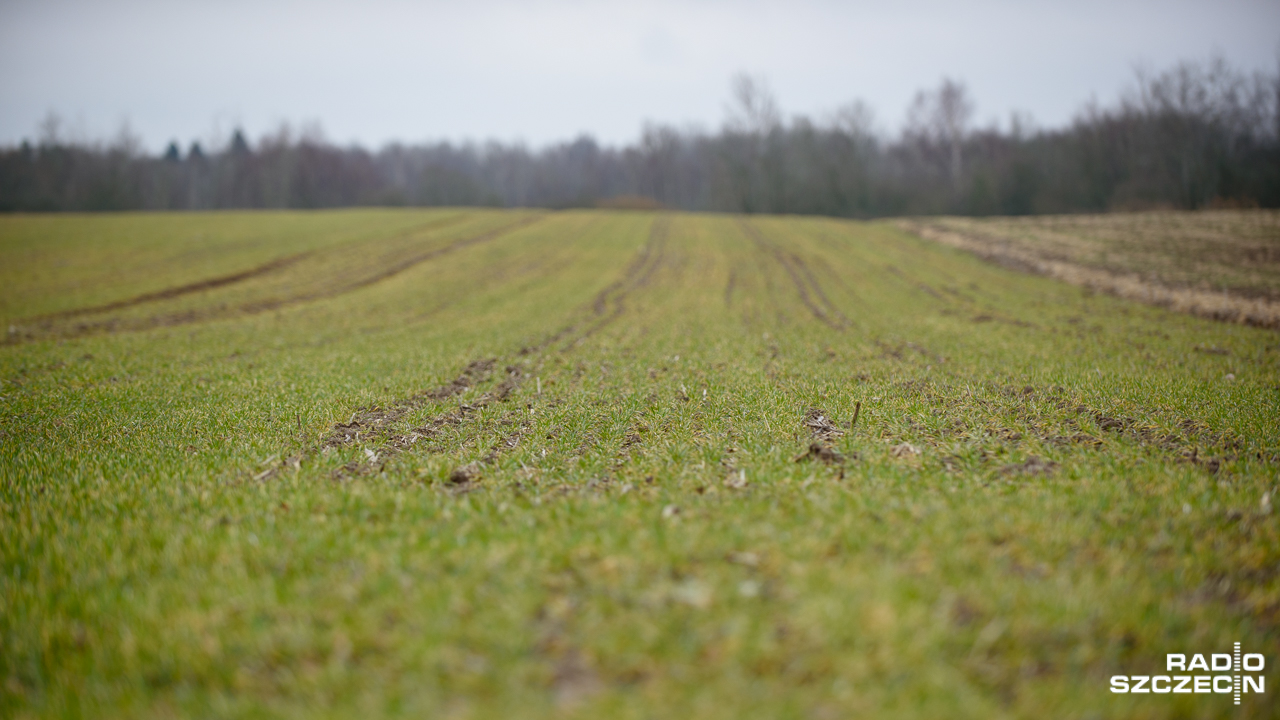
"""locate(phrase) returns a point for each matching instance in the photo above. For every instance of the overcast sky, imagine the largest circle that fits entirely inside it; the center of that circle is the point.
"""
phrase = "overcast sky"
(381, 70)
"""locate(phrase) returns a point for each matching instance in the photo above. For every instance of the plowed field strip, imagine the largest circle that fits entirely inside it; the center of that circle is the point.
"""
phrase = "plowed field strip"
(1258, 312)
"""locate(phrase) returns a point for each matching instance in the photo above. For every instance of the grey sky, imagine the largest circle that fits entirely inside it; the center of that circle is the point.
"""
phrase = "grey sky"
(380, 70)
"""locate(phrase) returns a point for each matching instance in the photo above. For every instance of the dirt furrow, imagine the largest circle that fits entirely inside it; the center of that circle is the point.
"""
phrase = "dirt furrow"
(374, 426)
(393, 444)
(370, 421)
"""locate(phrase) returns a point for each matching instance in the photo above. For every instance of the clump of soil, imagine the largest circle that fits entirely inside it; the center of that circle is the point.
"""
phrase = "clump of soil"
(820, 424)
(823, 453)
(475, 372)
(466, 474)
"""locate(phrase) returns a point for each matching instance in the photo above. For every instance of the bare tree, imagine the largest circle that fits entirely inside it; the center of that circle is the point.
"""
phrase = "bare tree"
(754, 108)
(1195, 135)
(942, 117)
(50, 132)
(750, 167)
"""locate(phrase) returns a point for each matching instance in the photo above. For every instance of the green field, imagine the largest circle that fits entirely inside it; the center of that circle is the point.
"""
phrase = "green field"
(491, 464)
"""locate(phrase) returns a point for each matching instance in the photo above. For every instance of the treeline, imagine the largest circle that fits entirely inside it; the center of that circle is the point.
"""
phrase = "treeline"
(1197, 135)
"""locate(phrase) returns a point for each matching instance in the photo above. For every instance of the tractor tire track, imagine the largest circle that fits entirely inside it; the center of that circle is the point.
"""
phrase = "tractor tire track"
(391, 444)
(799, 263)
(610, 303)
(219, 281)
(180, 290)
(767, 269)
(389, 272)
(840, 248)
(374, 419)
(373, 426)
(806, 285)
(24, 334)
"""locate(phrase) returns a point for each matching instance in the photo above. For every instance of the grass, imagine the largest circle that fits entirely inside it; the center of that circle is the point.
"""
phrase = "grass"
(515, 464)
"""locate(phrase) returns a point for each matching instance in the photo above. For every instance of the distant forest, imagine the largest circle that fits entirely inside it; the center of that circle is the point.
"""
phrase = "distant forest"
(1197, 135)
